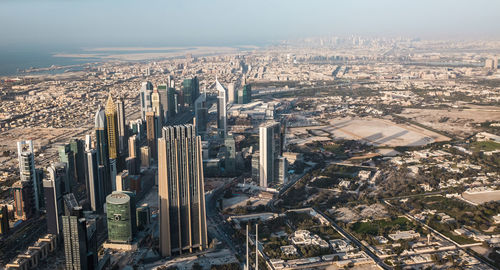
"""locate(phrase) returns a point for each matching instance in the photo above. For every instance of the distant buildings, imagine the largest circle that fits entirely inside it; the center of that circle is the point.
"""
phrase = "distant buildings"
(183, 225)
(245, 94)
(491, 63)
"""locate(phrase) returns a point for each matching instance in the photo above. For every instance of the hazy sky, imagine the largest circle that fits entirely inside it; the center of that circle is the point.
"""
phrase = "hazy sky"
(228, 22)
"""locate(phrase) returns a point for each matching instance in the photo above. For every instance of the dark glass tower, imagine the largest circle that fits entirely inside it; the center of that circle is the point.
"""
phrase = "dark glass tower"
(67, 157)
(95, 193)
(151, 132)
(78, 147)
(190, 90)
(101, 136)
(53, 189)
(122, 128)
(183, 225)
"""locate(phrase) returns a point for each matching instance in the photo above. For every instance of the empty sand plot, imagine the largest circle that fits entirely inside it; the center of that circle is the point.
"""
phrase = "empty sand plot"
(482, 197)
(375, 131)
(462, 122)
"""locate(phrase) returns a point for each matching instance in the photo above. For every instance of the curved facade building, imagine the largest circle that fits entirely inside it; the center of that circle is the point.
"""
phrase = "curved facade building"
(119, 218)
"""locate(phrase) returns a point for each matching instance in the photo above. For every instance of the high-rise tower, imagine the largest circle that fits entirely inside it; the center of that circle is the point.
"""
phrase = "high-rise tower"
(158, 110)
(112, 127)
(201, 114)
(75, 238)
(190, 90)
(53, 189)
(102, 150)
(145, 95)
(269, 143)
(221, 110)
(26, 158)
(181, 192)
(95, 188)
(122, 128)
(151, 133)
(23, 199)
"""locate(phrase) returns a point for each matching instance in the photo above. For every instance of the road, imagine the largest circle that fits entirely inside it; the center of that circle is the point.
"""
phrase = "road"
(217, 226)
(438, 233)
(353, 239)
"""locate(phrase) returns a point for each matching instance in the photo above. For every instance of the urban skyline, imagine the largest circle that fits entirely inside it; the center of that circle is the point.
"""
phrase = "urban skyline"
(230, 135)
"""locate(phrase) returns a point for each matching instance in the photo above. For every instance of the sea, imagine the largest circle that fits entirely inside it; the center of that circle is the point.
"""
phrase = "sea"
(15, 61)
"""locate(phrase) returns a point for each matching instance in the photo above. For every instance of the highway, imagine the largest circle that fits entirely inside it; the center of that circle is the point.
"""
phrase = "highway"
(217, 226)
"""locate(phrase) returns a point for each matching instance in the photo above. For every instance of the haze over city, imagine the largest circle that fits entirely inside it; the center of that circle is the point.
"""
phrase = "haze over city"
(248, 135)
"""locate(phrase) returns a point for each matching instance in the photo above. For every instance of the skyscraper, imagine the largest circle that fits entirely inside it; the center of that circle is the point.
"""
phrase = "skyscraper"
(231, 94)
(145, 95)
(53, 189)
(158, 110)
(151, 133)
(77, 147)
(230, 158)
(122, 128)
(269, 142)
(181, 192)
(201, 114)
(172, 103)
(163, 93)
(95, 189)
(246, 94)
(221, 110)
(24, 201)
(119, 217)
(112, 127)
(190, 90)
(102, 150)
(75, 239)
(67, 157)
(26, 158)
(4, 219)
(133, 150)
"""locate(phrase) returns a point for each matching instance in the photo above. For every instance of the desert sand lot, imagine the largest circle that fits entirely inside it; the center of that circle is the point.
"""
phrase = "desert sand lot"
(482, 197)
(461, 122)
(374, 131)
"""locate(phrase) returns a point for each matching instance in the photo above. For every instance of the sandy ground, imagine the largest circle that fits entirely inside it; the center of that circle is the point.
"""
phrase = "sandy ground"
(374, 131)
(482, 197)
(460, 122)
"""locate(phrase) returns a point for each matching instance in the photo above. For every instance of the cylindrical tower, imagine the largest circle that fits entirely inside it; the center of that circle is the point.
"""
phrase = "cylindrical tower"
(119, 218)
